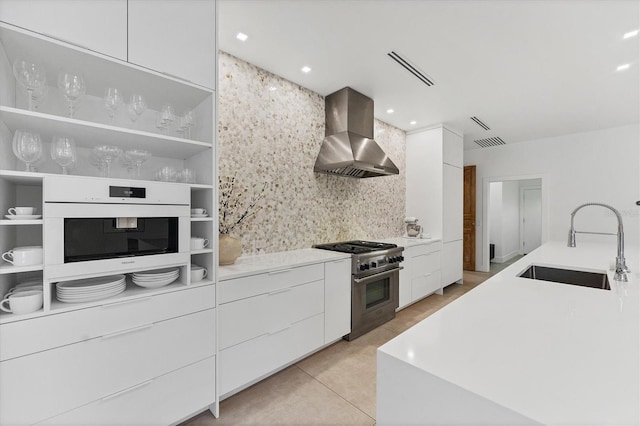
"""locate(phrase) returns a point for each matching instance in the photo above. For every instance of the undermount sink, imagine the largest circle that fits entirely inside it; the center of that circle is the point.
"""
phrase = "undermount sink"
(567, 276)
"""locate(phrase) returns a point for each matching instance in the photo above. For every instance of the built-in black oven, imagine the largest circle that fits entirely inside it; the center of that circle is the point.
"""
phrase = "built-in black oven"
(89, 238)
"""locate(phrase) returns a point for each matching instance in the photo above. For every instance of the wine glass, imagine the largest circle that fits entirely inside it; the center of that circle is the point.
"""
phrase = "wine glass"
(166, 116)
(39, 96)
(27, 146)
(73, 87)
(30, 76)
(137, 157)
(186, 122)
(112, 101)
(63, 152)
(136, 107)
(106, 154)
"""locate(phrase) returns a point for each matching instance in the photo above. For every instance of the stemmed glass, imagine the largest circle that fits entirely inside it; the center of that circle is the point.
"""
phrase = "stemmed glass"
(112, 101)
(137, 157)
(27, 146)
(30, 76)
(136, 107)
(106, 154)
(63, 152)
(73, 87)
(166, 116)
(186, 122)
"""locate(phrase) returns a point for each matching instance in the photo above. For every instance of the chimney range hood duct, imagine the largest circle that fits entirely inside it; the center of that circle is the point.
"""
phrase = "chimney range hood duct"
(348, 148)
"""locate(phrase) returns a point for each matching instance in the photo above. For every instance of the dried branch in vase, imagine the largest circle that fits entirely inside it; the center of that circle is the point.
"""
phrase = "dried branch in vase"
(236, 204)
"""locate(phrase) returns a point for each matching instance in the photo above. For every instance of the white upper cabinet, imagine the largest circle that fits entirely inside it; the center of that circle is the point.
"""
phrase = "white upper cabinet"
(452, 146)
(98, 25)
(170, 36)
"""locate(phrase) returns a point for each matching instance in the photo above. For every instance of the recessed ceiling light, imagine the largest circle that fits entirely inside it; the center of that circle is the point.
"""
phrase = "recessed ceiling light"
(242, 36)
(389, 111)
(623, 67)
(413, 122)
(305, 69)
(630, 34)
(273, 88)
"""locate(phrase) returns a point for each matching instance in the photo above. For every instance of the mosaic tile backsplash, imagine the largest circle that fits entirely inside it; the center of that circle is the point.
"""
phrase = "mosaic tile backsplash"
(270, 131)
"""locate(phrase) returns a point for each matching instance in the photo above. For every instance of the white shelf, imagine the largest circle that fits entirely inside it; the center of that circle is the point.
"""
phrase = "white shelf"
(22, 178)
(201, 283)
(8, 268)
(88, 134)
(200, 186)
(6, 317)
(100, 70)
(201, 219)
(7, 222)
(207, 250)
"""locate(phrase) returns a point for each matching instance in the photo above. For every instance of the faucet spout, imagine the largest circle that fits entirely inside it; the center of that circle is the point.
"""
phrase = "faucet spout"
(621, 264)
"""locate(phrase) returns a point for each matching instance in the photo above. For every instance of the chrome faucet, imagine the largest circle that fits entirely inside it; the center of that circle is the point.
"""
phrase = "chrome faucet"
(621, 265)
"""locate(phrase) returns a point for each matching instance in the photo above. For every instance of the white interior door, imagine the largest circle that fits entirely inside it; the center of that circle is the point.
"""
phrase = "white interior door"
(531, 219)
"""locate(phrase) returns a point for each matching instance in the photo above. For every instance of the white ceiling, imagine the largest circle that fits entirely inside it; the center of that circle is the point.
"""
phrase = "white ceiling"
(528, 69)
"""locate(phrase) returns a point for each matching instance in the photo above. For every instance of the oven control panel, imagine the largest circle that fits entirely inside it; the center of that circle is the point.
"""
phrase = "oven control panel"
(378, 262)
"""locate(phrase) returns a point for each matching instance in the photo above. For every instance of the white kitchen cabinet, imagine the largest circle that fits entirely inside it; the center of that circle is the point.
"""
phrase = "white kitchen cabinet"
(173, 36)
(453, 200)
(421, 277)
(337, 299)
(451, 262)
(98, 25)
(435, 191)
(80, 358)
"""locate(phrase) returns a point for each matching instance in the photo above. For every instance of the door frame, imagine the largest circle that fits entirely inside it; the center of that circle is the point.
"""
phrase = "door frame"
(474, 218)
(522, 190)
(484, 241)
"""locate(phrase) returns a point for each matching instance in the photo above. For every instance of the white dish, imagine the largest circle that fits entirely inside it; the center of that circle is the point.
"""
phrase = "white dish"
(154, 284)
(22, 216)
(93, 297)
(91, 282)
(155, 272)
(199, 215)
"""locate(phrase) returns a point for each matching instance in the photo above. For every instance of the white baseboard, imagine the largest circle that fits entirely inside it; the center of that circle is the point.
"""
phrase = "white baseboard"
(507, 257)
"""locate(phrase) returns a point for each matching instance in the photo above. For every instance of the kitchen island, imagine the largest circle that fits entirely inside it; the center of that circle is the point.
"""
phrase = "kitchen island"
(521, 351)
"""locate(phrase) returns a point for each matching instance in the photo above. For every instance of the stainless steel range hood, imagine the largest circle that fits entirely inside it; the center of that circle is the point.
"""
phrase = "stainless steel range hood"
(348, 148)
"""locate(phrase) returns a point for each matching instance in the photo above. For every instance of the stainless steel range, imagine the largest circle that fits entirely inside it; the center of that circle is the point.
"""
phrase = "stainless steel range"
(375, 272)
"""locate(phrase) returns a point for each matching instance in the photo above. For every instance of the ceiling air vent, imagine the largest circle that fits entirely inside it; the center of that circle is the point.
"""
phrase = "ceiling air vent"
(411, 68)
(487, 142)
(480, 123)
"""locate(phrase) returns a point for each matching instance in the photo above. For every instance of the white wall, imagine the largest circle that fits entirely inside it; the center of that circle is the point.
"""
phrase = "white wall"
(510, 220)
(599, 166)
(495, 218)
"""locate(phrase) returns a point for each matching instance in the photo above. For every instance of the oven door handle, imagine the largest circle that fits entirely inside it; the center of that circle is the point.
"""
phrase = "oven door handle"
(376, 276)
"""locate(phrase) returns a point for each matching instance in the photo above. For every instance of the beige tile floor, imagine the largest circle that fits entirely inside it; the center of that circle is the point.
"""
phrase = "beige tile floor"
(334, 386)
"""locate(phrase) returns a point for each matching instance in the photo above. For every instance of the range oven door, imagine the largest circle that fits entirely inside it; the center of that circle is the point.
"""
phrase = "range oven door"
(109, 238)
(374, 300)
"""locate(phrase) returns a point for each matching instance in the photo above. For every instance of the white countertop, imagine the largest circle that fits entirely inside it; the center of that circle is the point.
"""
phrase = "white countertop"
(555, 353)
(257, 264)
(409, 242)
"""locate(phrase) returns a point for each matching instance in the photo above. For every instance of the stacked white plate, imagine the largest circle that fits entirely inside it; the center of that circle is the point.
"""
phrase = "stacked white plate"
(156, 278)
(90, 289)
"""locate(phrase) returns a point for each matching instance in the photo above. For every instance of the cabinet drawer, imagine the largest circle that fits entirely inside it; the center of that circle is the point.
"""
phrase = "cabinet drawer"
(34, 335)
(425, 264)
(254, 285)
(425, 285)
(248, 361)
(424, 249)
(45, 384)
(164, 400)
(248, 318)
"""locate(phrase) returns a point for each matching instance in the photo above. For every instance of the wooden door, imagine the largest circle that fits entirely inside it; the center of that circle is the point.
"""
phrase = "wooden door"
(469, 219)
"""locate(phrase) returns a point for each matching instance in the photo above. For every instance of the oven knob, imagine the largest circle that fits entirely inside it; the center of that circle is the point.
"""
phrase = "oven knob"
(366, 266)
(373, 264)
(393, 259)
(401, 258)
(363, 267)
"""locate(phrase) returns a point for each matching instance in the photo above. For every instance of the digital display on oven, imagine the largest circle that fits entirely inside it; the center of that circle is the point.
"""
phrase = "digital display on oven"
(127, 192)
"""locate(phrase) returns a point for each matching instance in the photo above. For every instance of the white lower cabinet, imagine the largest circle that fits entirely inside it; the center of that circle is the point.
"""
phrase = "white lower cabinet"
(451, 262)
(256, 358)
(421, 274)
(271, 319)
(153, 402)
(337, 299)
(48, 382)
